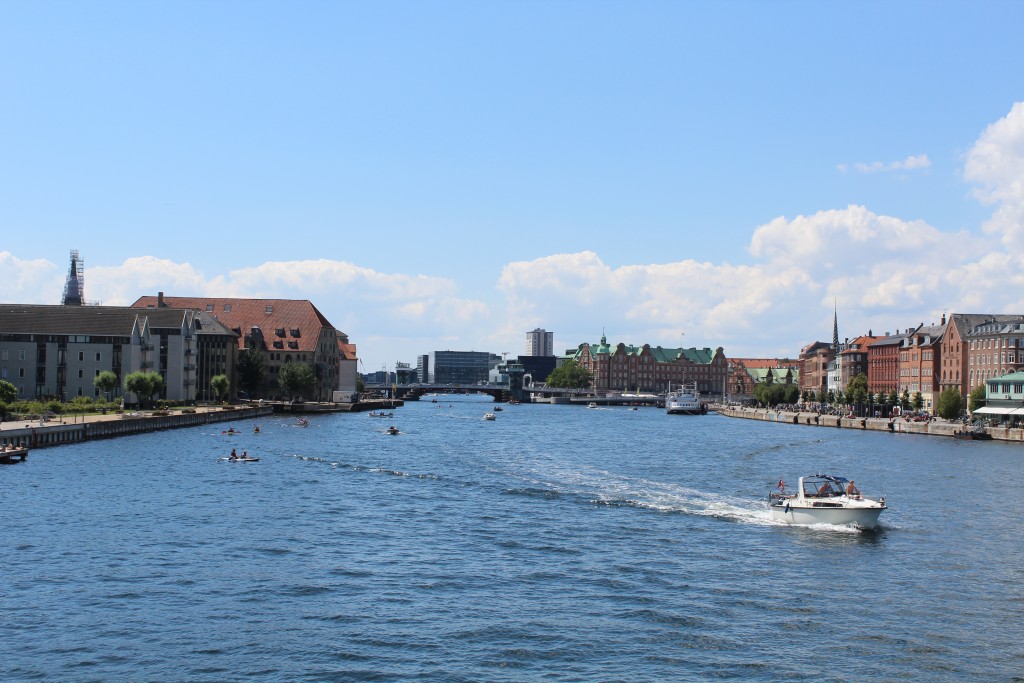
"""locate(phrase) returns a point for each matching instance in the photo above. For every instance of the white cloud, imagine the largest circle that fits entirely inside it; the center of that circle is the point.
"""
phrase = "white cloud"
(996, 165)
(911, 163)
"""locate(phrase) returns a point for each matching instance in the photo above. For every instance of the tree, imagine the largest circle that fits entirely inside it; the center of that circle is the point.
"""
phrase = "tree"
(221, 385)
(976, 399)
(894, 398)
(250, 371)
(830, 397)
(106, 382)
(905, 399)
(918, 400)
(857, 389)
(8, 392)
(144, 384)
(570, 375)
(950, 403)
(296, 378)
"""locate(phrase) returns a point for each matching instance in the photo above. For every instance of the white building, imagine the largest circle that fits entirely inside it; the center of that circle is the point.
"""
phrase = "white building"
(540, 343)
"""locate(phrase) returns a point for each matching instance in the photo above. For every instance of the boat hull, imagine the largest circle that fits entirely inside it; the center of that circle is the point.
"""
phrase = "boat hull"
(863, 517)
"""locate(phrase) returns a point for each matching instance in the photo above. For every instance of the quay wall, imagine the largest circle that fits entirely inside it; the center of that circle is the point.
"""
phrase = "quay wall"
(58, 434)
(879, 424)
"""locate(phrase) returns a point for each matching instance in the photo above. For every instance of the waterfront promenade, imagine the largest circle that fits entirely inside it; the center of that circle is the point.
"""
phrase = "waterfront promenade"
(896, 425)
(80, 428)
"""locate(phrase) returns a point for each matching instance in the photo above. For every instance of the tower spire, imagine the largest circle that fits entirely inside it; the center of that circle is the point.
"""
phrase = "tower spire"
(74, 294)
(835, 325)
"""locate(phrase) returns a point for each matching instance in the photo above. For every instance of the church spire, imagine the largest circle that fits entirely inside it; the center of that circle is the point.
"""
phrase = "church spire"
(835, 325)
(74, 294)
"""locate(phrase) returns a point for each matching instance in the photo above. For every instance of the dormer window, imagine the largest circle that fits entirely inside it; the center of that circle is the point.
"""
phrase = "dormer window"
(293, 344)
(269, 309)
(227, 308)
(278, 344)
(279, 331)
(295, 332)
(209, 308)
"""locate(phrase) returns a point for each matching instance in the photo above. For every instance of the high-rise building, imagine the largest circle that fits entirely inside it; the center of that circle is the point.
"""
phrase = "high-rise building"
(540, 343)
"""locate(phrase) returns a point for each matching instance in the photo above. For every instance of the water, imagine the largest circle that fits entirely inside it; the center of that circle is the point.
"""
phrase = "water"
(556, 543)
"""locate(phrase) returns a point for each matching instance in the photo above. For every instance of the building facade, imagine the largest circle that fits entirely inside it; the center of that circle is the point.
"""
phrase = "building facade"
(653, 369)
(540, 343)
(57, 351)
(283, 330)
(920, 360)
(995, 346)
(460, 367)
(814, 362)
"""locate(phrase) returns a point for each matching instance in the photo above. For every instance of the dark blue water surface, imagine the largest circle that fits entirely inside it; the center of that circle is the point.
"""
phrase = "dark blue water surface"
(555, 543)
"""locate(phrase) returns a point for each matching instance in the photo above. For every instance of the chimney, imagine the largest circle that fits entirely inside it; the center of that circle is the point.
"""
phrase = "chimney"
(160, 300)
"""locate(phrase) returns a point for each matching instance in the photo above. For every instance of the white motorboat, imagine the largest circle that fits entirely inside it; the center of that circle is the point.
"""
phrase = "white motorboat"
(684, 401)
(824, 499)
(489, 416)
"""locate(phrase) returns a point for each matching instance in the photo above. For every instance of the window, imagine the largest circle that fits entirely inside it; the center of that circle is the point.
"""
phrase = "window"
(209, 308)
(5, 354)
(21, 356)
(21, 372)
(269, 309)
(81, 356)
(227, 308)
(97, 356)
(81, 374)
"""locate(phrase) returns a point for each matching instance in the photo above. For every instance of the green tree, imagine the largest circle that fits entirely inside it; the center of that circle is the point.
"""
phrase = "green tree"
(296, 378)
(144, 384)
(106, 382)
(360, 385)
(251, 374)
(976, 399)
(570, 375)
(951, 404)
(857, 389)
(830, 397)
(905, 399)
(8, 392)
(221, 385)
(894, 398)
(918, 400)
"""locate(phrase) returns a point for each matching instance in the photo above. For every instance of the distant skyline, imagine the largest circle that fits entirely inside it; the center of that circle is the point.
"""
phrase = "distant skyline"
(452, 175)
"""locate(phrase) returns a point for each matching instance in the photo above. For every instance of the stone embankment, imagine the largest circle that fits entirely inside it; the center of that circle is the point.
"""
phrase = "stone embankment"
(877, 424)
(36, 435)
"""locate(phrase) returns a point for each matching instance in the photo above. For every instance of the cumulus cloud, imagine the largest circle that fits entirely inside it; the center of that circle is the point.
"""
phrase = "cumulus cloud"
(995, 164)
(911, 163)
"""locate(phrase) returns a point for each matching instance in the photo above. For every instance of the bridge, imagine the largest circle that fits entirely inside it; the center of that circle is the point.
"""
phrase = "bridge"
(502, 394)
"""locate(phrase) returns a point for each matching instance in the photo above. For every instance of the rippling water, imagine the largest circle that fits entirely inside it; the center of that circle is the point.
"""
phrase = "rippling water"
(556, 543)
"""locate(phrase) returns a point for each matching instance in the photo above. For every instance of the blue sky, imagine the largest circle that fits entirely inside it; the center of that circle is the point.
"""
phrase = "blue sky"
(449, 175)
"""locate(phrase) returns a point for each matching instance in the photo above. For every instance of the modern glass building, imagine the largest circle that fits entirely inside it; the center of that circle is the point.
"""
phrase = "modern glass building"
(459, 367)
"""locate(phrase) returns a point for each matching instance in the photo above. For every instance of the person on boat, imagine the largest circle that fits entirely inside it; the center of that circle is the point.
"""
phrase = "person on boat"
(825, 490)
(256, 429)
(851, 490)
(245, 455)
(233, 456)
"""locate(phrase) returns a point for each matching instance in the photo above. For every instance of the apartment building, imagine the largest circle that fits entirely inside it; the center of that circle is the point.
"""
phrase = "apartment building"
(654, 369)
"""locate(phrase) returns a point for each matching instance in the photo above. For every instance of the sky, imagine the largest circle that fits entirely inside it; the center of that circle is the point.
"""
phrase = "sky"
(450, 175)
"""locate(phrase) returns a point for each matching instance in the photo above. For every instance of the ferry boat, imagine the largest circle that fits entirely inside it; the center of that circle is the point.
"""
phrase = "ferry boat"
(684, 401)
(825, 499)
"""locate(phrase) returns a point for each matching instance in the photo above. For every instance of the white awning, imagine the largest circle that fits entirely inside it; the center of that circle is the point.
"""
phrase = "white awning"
(993, 410)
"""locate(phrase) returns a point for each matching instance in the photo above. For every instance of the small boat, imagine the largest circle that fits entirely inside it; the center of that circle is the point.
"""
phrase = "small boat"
(241, 459)
(302, 422)
(591, 405)
(381, 414)
(825, 499)
(489, 416)
(685, 401)
(498, 409)
(392, 430)
(10, 454)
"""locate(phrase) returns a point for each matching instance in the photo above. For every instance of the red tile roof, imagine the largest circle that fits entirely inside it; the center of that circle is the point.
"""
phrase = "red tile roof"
(270, 315)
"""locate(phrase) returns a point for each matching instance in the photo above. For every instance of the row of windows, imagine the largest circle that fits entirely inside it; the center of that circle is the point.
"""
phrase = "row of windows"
(990, 358)
(994, 343)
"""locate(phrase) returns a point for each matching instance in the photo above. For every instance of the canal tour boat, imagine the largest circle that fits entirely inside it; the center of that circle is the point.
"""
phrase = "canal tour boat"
(684, 401)
(824, 499)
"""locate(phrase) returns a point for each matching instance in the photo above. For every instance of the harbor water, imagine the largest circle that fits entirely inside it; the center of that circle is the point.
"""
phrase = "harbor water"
(555, 543)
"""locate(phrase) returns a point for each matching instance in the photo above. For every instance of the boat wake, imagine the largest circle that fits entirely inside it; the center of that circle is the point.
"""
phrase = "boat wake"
(600, 487)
